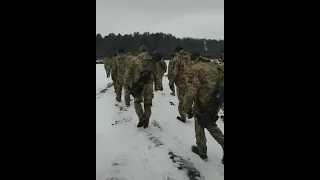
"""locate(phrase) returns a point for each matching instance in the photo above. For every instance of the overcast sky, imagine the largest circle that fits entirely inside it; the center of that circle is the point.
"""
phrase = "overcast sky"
(181, 18)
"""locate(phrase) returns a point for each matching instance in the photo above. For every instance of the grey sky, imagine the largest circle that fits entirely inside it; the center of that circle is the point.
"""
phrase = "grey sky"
(181, 18)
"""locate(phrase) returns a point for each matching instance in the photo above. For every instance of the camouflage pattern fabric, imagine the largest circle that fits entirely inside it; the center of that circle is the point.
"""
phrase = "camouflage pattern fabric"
(107, 65)
(127, 96)
(170, 68)
(147, 96)
(161, 68)
(112, 73)
(119, 67)
(181, 94)
(136, 66)
(179, 73)
(201, 139)
(180, 68)
(203, 80)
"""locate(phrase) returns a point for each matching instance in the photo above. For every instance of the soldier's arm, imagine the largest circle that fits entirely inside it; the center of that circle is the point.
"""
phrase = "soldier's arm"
(128, 75)
(193, 86)
(169, 69)
(155, 76)
(108, 67)
(105, 63)
(114, 69)
(174, 71)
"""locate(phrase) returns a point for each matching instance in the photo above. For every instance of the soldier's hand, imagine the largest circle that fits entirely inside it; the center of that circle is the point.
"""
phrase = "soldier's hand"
(171, 86)
(189, 113)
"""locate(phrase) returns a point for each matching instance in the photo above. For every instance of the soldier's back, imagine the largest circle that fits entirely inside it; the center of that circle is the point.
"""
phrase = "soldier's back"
(161, 66)
(121, 61)
(182, 61)
(209, 75)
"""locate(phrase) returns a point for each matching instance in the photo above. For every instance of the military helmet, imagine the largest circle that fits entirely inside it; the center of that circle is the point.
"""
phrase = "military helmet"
(195, 55)
(178, 48)
(143, 48)
(157, 55)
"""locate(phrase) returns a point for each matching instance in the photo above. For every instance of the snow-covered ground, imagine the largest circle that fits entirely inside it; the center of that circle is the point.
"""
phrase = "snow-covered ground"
(161, 152)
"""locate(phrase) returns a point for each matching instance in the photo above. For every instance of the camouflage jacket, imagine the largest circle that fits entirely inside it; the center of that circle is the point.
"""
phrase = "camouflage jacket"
(180, 68)
(170, 68)
(202, 82)
(119, 66)
(107, 64)
(161, 67)
(137, 65)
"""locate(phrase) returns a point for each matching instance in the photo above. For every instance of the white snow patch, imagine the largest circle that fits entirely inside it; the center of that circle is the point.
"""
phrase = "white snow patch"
(124, 152)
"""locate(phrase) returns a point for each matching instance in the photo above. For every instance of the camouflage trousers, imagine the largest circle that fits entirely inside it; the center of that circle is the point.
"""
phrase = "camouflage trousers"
(158, 81)
(147, 96)
(118, 88)
(201, 137)
(127, 96)
(108, 72)
(114, 84)
(181, 91)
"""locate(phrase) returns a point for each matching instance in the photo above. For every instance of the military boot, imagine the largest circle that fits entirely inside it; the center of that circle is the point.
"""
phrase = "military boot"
(181, 119)
(145, 124)
(141, 122)
(195, 150)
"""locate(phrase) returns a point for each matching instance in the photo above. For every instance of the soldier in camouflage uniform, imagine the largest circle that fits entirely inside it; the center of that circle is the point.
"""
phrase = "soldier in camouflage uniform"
(129, 55)
(178, 76)
(119, 67)
(203, 80)
(170, 68)
(135, 68)
(112, 74)
(161, 68)
(107, 66)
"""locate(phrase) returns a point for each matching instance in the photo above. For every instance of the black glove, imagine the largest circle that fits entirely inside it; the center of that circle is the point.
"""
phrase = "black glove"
(108, 75)
(171, 86)
(189, 113)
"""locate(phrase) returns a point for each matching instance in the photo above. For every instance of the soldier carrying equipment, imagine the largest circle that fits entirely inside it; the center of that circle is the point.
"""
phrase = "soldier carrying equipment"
(137, 86)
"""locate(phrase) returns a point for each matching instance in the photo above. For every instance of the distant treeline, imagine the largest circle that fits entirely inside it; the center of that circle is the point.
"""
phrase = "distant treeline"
(166, 43)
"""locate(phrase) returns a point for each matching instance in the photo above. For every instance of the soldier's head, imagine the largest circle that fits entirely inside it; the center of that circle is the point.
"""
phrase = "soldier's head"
(121, 50)
(172, 55)
(178, 48)
(115, 54)
(195, 55)
(143, 49)
(157, 56)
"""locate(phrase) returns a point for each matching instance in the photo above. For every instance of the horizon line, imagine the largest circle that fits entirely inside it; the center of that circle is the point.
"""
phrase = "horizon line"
(220, 39)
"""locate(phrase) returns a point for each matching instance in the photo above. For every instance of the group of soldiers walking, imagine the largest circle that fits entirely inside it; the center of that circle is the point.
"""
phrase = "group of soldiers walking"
(196, 77)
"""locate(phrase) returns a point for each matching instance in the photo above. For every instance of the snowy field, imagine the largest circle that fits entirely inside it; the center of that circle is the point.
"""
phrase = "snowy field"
(161, 152)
